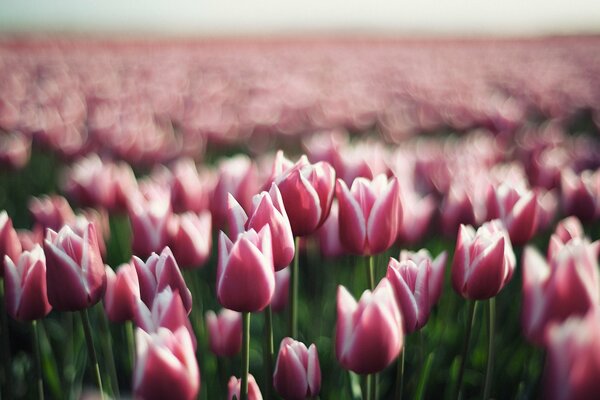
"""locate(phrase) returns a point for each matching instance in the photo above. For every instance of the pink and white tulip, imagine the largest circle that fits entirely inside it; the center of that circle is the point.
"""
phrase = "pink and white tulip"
(191, 238)
(10, 245)
(297, 371)
(224, 332)
(122, 293)
(234, 384)
(282, 288)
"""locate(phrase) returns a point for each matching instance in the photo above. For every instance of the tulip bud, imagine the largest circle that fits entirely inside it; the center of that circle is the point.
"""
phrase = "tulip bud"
(517, 207)
(438, 267)
(484, 261)
(25, 286)
(75, 272)
(282, 288)
(10, 245)
(233, 388)
(51, 211)
(369, 333)
(189, 191)
(166, 366)
(90, 182)
(159, 272)
(245, 272)
(224, 332)
(122, 293)
(297, 372)
(370, 214)
(192, 238)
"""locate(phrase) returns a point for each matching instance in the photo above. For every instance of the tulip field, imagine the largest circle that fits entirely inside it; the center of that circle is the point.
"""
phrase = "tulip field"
(300, 218)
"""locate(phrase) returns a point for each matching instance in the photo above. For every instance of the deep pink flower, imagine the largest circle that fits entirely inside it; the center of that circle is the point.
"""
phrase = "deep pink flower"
(456, 209)
(438, 269)
(581, 194)
(329, 234)
(122, 293)
(297, 371)
(369, 334)
(224, 332)
(233, 388)
(190, 189)
(416, 215)
(10, 245)
(191, 238)
(282, 286)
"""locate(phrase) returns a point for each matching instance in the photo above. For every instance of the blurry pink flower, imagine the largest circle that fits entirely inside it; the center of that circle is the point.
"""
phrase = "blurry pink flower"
(166, 366)
(483, 262)
(370, 214)
(51, 211)
(224, 332)
(457, 208)
(245, 272)
(297, 371)
(329, 234)
(369, 334)
(438, 269)
(15, 150)
(282, 286)
(91, 182)
(416, 215)
(281, 164)
(29, 238)
(190, 190)
(159, 272)
(567, 285)
(122, 293)
(25, 285)
(516, 207)
(580, 194)
(75, 272)
(191, 239)
(566, 230)
(547, 207)
(10, 245)
(233, 388)
(573, 362)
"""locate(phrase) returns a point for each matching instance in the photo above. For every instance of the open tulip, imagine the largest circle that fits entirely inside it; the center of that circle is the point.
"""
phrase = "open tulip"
(370, 214)
(224, 332)
(122, 293)
(297, 371)
(233, 388)
(166, 366)
(25, 285)
(10, 245)
(369, 333)
(191, 239)
(75, 272)
(483, 262)
(245, 272)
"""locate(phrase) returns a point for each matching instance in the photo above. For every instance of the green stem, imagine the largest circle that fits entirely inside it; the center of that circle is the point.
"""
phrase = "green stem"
(461, 371)
(489, 373)
(108, 354)
(6, 356)
(87, 329)
(245, 356)
(293, 322)
(368, 387)
(38, 361)
(400, 374)
(130, 343)
(424, 377)
(269, 351)
(371, 272)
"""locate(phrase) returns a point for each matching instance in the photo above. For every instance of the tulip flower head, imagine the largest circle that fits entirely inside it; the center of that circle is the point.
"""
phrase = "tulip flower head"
(10, 245)
(25, 285)
(297, 372)
(329, 234)
(233, 388)
(122, 293)
(483, 262)
(369, 334)
(282, 288)
(224, 332)
(51, 211)
(191, 239)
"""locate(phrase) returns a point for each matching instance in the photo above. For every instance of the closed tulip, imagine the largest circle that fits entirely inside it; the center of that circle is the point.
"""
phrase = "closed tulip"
(483, 262)
(191, 239)
(51, 211)
(368, 335)
(75, 272)
(329, 234)
(233, 388)
(438, 267)
(10, 245)
(566, 230)
(580, 194)
(189, 189)
(224, 332)
(297, 371)
(245, 272)
(25, 285)
(122, 293)
(159, 272)
(282, 288)
(166, 366)
(370, 214)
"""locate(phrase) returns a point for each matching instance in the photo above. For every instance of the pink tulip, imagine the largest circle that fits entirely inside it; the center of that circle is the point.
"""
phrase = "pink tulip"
(191, 239)
(190, 190)
(282, 287)
(15, 150)
(233, 388)
(159, 272)
(10, 245)
(91, 182)
(566, 230)
(547, 207)
(438, 268)
(75, 272)
(51, 211)
(307, 192)
(29, 238)
(281, 164)
(483, 262)
(245, 272)
(297, 372)
(369, 333)
(122, 293)
(573, 362)
(517, 207)
(370, 214)
(25, 286)
(568, 285)
(456, 209)
(329, 234)
(166, 366)
(224, 332)
(580, 194)
(416, 216)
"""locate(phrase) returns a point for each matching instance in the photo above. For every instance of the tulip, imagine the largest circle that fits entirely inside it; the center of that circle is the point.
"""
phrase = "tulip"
(15, 150)
(10, 245)
(580, 195)
(25, 285)
(51, 211)
(90, 182)
(75, 272)
(122, 293)
(370, 214)
(191, 239)
(166, 366)
(245, 272)
(568, 285)
(29, 238)
(456, 209)
(307, 192)
(573, 361)
(282, 289)
(416, 216)
(233, 388)
(189, 189)
(329, 234)
(566, 230)
(369, 333)
(159, 272)
(297, 372)
(224, 332)
(438, 266)
(483, 262)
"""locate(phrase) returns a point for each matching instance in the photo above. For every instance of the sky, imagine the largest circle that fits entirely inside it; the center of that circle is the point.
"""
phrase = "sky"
(223, 17)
